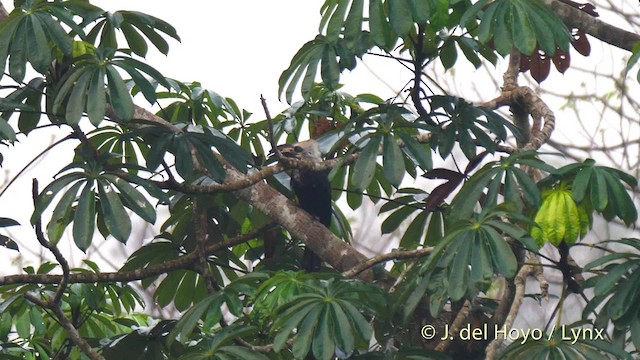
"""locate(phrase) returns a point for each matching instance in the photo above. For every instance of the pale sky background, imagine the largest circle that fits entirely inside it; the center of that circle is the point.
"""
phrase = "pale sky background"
(239, 49)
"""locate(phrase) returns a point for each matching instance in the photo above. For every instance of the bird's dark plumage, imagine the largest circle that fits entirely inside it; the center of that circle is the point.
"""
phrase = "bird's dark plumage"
(312, 188)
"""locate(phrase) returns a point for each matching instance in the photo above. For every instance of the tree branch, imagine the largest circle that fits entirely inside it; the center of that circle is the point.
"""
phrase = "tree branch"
(595, 27)
(133, 275)
(396, 255)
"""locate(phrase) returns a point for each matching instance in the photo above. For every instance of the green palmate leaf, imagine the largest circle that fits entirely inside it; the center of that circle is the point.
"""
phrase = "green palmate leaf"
(190, 319)
(394, 220)
(62, 214)
(626, 208)
(6, 131)
(115, 217)
(230, 150)
(470, 49)
(168, 289)
(545, 38)
(365, 167)
(324, 344)
(30, 117)
(473, 188)
(522, 32)
(599, 196)
(487, 26)
(32, 22)
(411, 237)
(39, 54)
(419, 152)
(471, 13)
(7, 222)
(481, 265)
(210, 162)
(55, 32)
(309, 55)
(400, 17)
(133, 199)
(501, 30)
(392, 160)
(344, 337)
(96, 98)
(306, 330)
(606, 282)
(334, 27)
(378, 25)
(420, 10)
(448, 54)
(52, 190)
(68, 82)
(119, 94)
(353, 23)
(18, 53)
(624, 302)
(184, 294)
(136, 42)
(329, 68)
(504, 261)
(459, 273)
(85, 218)
(78, 98)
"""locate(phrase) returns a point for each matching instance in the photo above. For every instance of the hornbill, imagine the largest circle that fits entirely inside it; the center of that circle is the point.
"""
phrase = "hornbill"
(313, 190)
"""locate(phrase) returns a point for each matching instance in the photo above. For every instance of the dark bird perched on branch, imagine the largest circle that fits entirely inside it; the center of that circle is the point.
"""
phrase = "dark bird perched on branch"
(312, 188)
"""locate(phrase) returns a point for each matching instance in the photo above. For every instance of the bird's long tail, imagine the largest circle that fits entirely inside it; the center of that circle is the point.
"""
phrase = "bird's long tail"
(310, 261)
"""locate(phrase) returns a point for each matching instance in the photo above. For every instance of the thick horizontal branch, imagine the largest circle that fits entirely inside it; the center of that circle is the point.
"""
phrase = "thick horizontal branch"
(593, 26)
(182, 262)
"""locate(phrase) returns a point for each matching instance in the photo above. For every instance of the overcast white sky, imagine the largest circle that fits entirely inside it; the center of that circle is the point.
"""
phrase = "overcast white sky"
(236, 48)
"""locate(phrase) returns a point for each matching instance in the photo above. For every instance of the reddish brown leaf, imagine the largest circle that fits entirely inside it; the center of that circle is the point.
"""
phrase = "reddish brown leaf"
(540, 67)
(446, 174)
(581, 42)
(473, 163)
(440, 193)
(562, 60)
(586, 7)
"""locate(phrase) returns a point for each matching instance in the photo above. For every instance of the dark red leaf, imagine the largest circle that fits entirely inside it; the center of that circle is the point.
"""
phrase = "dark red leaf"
(473, 163)
(540, 67)
(581, 42)
(445, 174)
(562, 60)
(439, 194)
(586, 7)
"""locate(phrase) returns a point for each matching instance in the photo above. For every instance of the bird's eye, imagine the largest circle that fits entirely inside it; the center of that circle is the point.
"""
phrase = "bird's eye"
(298, 149)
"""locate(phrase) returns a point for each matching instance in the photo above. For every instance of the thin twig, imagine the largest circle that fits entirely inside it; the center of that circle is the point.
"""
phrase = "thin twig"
(456, 324)
(272, 137)
(396, 255)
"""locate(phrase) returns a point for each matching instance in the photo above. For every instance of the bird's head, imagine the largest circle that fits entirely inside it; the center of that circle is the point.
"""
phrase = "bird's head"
(304, 150)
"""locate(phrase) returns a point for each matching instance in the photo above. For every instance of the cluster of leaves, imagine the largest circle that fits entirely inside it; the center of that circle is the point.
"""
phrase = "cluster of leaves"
(573, 193)
(83, 62)
(97, 310)
(343, 38)
(556, 345)
(615, 288)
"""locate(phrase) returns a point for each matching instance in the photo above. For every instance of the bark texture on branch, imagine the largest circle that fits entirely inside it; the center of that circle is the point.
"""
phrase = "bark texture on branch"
(595, 27)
